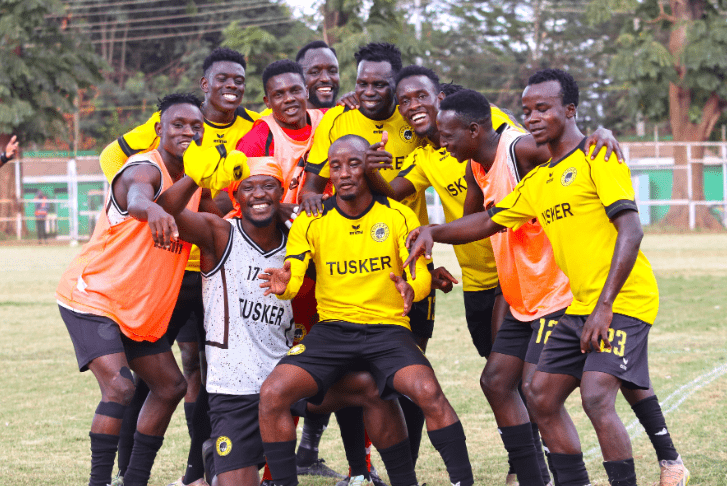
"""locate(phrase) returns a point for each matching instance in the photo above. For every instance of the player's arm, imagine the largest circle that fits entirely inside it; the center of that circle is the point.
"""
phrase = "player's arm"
(474, 201)
(285, 282)
(317, 173)
(10, 150)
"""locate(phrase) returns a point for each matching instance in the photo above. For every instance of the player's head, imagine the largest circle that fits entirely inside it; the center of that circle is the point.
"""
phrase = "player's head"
(320, 69)
(285, 93)
(180, 119)
(346, 161)
(223, 82)
(418, 93)
(259, 194)
(549, 103)
(378, 64)
(450, 88)
(464, 121)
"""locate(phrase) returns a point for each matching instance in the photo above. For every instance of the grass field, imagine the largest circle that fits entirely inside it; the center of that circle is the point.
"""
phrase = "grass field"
(46, 405)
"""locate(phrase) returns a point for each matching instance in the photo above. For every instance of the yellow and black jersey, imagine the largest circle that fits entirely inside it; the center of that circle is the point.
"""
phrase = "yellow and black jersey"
(340, 121)
(428, 167)
(501, 117)
(353, 257)
(574, 200)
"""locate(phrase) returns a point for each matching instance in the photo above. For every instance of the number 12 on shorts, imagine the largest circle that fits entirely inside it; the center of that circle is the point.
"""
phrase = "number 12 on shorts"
(550, 324)
(617, 348)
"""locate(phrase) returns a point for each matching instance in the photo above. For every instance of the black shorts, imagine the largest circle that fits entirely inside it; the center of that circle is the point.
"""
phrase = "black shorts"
(478, 306)
(421, 316)
(95, 336)
(236, 430)
(334, 348)
(188, 316)
(525, 340)
(627, 359)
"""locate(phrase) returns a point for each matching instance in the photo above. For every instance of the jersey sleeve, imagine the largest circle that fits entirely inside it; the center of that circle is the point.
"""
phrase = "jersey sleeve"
(299, 251)
(414, 173)
(213, 167)
(514, 210)
(613, 185)
(322, 140)
(140, 139)
(422, 285)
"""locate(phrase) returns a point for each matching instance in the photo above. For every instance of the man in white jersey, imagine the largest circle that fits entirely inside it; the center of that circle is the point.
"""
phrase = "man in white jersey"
(247, 332)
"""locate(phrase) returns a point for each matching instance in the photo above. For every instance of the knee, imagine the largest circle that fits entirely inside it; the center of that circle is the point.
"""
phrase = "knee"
(121, 388)
(491, 384)
(538, 400)
(190, 358)
(174, 390)
(365, 387)
(273, 397)
(428, 395)
(597, 405)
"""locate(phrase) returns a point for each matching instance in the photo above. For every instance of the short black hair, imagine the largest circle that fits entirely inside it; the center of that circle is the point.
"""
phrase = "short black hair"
(170, 100)
(568, 85)
(450, 88)
(415, 70)
(223, 54)
(281, 67)
(379, 52)
(469, 105)
(352, 137)
(317, 44)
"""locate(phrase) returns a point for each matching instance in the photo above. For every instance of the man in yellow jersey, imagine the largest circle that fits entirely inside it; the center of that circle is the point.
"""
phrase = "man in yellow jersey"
(587, 210)
(225, 122)
(356, 243)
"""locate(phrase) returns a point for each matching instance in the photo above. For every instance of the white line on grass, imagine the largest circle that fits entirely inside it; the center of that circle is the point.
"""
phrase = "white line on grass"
(669, 404)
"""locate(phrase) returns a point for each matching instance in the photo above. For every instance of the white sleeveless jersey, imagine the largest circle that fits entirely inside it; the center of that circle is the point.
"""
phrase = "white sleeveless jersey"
(247, 332)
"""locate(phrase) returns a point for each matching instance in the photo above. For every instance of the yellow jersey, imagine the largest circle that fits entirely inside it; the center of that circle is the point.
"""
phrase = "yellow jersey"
(574, 200)
(144, 138)
(353, 257)
(429, 167)
(340, 121)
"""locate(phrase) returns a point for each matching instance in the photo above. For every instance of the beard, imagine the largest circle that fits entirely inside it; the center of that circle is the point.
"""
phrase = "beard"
(315, 102)
(347, 197)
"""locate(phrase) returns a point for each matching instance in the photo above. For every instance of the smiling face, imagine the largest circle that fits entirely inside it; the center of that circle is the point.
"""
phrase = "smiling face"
(320, 68)
(286, 96)
(346, 163)
(456, 136)
(375, 89)
(224, 85)
(419, 104)
(259, 198)
(545, 114)
(177, 127)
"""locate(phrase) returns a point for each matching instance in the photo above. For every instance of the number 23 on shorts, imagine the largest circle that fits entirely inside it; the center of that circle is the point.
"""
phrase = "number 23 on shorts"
(617, 348)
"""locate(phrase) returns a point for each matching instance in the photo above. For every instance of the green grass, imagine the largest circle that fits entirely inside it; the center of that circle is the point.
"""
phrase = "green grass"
(46, 405)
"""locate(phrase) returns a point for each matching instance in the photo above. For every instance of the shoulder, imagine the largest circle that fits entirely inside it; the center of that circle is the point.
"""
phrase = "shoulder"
(246, 114)
(395, 209)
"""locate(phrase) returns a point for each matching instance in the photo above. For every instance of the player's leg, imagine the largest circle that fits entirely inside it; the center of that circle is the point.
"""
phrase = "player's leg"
(128, 427)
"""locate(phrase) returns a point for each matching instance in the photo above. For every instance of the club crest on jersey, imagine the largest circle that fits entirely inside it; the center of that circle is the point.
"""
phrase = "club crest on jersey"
(568, 176)
(300, 333)
(379, 232)
(406, 134)
(224, 445)
(297, 349)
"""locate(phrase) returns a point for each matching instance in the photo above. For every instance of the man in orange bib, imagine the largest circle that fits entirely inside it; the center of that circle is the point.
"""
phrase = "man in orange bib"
(117, 296)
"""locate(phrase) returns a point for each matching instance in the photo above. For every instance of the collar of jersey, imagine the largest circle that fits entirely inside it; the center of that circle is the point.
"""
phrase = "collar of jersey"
(221, 127)
(581, 146)
(376, 198)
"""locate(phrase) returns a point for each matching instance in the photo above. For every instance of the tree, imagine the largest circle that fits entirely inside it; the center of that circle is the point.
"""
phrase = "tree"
(672, 54)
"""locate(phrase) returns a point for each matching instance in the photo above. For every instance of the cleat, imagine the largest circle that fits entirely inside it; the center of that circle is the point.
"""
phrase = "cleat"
(180, 482)
(117, 481)
(673, 473)
(359, 481)
(511, 480)
(344, 481)
(318, 468)
(375, 477)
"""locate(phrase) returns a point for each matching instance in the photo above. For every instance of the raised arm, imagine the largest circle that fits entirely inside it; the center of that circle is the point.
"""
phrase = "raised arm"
(474, 201)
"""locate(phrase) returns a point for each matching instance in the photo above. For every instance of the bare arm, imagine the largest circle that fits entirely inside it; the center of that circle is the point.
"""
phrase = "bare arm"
(603, 137)
(474, 200)
(625, 253)
(310, 195)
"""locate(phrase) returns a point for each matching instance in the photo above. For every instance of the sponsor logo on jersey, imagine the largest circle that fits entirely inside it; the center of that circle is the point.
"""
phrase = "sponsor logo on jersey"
(261, 312)
(355, 230)
(373, 264)
(295, 350)
(568, 176)
(224, 445)
(379, 232)
(406, 134)
(300, 333)
(559, 211)
(457, 187)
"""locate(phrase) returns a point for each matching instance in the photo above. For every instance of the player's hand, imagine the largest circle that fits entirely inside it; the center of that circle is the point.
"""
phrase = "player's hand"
(419, 242)
(162, 226)
(407, 293)
(442, 280)
(11, 148)
(377, 157)
(595, 329)
(275, 279)
(604, 138)
(312, 204)
(349, 100)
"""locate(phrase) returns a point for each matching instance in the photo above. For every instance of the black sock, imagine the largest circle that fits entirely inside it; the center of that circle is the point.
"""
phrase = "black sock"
(128, 425)
(550, 464)
(539, 453)
(521, 453)
(103, 452)
(621, 473)
(571, 470)
(649, 413)
(353, 435)
(399, 465)
(414, 417)
(313, 427)
(189, 417)
(451, 444)
(201, 431)
(142, 459)
(281, 461)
